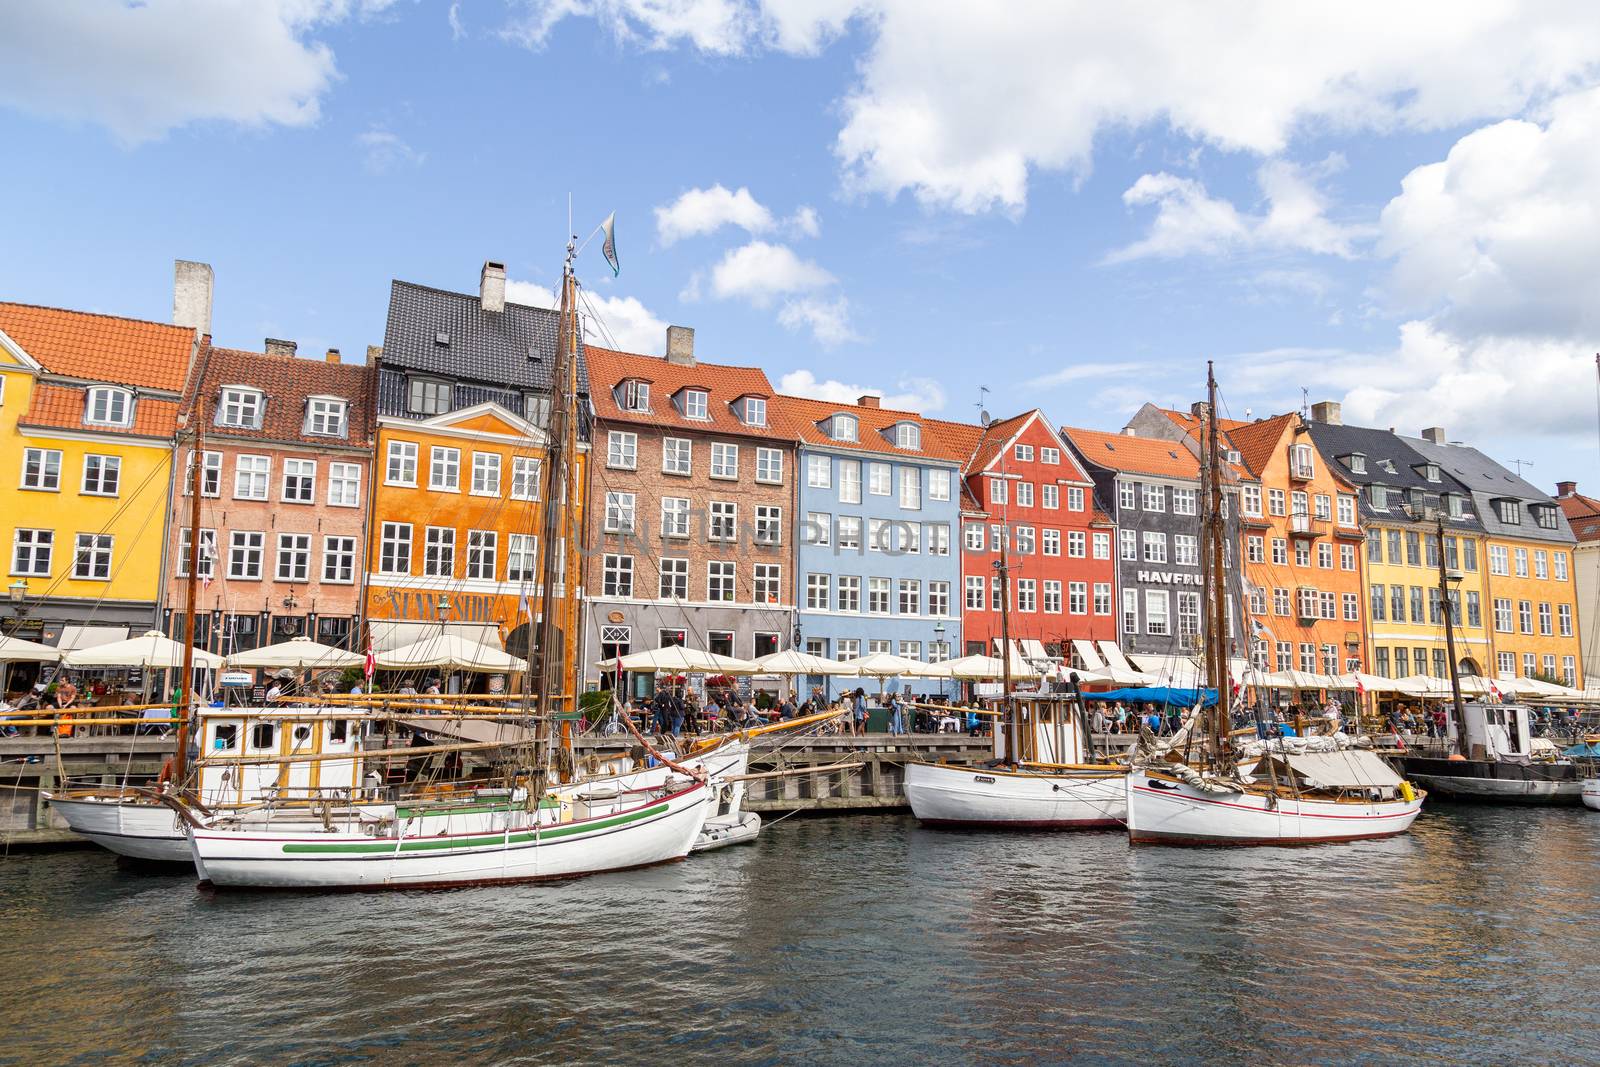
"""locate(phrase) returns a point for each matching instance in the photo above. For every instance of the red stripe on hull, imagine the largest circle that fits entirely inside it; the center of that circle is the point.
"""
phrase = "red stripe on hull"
(1147, 837)
(1023, 824)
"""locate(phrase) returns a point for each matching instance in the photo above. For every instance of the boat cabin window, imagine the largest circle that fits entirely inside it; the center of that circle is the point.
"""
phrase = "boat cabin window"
(263, 735)
(302, 733)
(226, 739)
(339, 730)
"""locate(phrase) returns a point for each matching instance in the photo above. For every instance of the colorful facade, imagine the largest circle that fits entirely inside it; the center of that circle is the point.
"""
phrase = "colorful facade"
(1583, 516)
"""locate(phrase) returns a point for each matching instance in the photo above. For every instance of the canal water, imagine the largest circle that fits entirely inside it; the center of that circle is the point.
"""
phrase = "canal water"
(1475, 939)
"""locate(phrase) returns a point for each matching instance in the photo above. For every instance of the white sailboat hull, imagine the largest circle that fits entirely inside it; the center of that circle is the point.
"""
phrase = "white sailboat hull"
(942, 795)
(651, 832)
(127, 826)
(1591, 793)
(720, 831)
(1161, 811)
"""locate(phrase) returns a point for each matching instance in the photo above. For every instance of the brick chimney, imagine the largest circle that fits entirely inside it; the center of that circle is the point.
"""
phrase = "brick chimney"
(866, 401)
(1198, 409)
(1328, 412)
(374, 353)
(492, 286)
(191, 295)
(680, 345)
(1434, 434)
(332, 356)
(275, 347)
(1566, 489)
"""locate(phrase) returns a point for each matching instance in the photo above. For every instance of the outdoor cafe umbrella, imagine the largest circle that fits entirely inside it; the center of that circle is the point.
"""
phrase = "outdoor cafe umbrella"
(679, 659)
(450, 651)
(793, 661)
(297, 654)
(980, 667)
(150, 649)
(883, 665)
(16, 650)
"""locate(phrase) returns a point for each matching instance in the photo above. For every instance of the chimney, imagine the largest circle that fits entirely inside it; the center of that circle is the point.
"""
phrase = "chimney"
(191, 296)
(1329, 413)
(1129, 431)
(374, 353)
(1434, 434)
(332, 356)
(1198, 409)
(1566, 489)
(680, 345)
(492, 286)
(866, 401)
(275, 347)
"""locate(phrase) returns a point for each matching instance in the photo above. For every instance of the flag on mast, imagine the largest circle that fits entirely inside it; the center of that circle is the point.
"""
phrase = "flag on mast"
(608, 245)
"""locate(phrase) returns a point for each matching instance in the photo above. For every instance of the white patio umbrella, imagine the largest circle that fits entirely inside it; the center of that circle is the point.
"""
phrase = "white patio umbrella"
(150, 649)
(297, 654)
(792, 661)
(451, 651)
(1415, 685)
(884, 665)
(1372, 683)
(981, 668)
(1124, 676)
(16, 650)
(679, 659)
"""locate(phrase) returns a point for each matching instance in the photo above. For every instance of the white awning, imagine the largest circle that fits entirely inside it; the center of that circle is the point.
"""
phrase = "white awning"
(1351, 769)
(1114, 656)
(1034, 649)
(390, 634)
(1087, 655)
(76, 637)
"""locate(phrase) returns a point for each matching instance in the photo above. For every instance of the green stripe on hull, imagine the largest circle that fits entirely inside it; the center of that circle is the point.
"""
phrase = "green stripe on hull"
(372, 847)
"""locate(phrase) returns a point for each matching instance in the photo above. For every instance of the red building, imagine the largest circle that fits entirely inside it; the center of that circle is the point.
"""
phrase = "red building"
(1026, 496)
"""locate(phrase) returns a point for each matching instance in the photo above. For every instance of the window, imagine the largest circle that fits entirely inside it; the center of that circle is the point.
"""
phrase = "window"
(101, 475)
(1049, 455)
(1130, 611)
(41, 469)
(1322, 506)
(724, 460)
(105, 406)
(1275, 502)
(1325, 555)
(878, 535)
(1027, 595)
(1024, 494)
(1301, 464)
(909, 537)
(908, 436)
(619, 513)
(1050, 496)
(1188, 614)
(325, 416)
(939, 598)
(938, 539)
(819, 591)
(402, 465)
(849, 592)
(439, 552)
(879, 478)
(910, 650)
(694, 404)
(210, 474)
(1280, 552)
(339, 560)
(1529, 664)
(769, 525)
(850, 532)
(818, 529)
(240, 408)
(428, 396)
(524, 478)
(1545, 626)
(1155, 498)
(1521, 556)
(1024, 536)
(294, 557)
(1102, 545)
(1050, 542)
(1156, 621)
(1545, 516)
(973, 537)
(1564, 618)
(1379, 496)
(1183, 501)
(1352, 606)
(769, 466)
(1129, 540)
(676, 455)
(1127, 496)
(394, 548)
(245, 549)
(299, 481)
(1308, 657)
(635, 395)
(768, 583)
(1186, 550)
(938, 485)
(997, 491)
(1474, 610)
(1502, 614)
(843, 428)
(755, 411)
(1078, 603)
(911, 488)
(344, 485)
(617, 576)
(849, 481)
(1347, 557)
(1541, 563)
(674, 516)
(1347, 510)
(444, 469)
(674, 581)
(1250, 500)
(1499, 559)
(1510, 512)
(1560, 560)
(878, 596)
(520, 552)
(1102, 598)
(819, 472)
(483, 554)
(723, 520)
(719, 581)
(973, 584)
(536, 409)
(1416, 604)
(1569, 670)
(208, 553)
(30, 551)
(250, 477)
(1024, 453)
(1155, 547)
(910, 598)
(1255, 549)
(622, 450)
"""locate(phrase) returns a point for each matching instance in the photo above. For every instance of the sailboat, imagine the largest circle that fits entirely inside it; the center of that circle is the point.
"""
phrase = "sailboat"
(1270, 792)
(523, 827)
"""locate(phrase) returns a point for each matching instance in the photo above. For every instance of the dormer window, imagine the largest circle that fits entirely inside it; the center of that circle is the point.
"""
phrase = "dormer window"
(695, 404)
(1301, 465)
(1356, 462)
(635, 395)
(536, 409)
(428, 396)
(241, 407)
(1545, 516)
(325, 416)
(755, 411)
(1430, 471)
(1379, 496)
(108, 407)
(908, 435)
(1452, 504)
(843, 428)
(1510, 512)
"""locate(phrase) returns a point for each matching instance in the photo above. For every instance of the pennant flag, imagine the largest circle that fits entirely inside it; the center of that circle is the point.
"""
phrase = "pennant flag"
(1494, 691)
(608, 245)
(371, 664)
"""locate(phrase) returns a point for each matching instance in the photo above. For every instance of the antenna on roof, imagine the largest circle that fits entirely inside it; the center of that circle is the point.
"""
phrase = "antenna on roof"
(983, 395)
(1305, 403)
(1520, 463)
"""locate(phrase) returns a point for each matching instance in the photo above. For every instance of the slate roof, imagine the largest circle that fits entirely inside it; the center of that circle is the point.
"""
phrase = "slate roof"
(515, 347)
(1489, 481)
(722, 383)
(1337, 442)
(287, 381)
(1583, 515)
(1133, 455)
(61, 407)
(102, 348)
(941, 440)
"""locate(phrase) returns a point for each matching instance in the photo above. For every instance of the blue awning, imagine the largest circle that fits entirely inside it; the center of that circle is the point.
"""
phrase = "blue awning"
(1165, 695)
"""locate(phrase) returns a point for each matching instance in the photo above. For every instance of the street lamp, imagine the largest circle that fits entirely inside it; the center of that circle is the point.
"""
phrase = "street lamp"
(290, 602)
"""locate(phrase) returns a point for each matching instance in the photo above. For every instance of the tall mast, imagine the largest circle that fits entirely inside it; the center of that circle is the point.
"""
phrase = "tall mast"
(1216, 641)
(1013, 732)
(180, 758)
(1450, 644)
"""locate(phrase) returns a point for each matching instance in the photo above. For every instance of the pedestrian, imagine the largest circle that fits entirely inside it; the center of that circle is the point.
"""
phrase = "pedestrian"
(897, 715)
(786, 709)
(678, 712)
(860, 709)
(274, 690)
(1098, 721)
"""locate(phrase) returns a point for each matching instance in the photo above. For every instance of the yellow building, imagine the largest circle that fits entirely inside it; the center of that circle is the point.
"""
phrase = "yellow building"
(88, 409)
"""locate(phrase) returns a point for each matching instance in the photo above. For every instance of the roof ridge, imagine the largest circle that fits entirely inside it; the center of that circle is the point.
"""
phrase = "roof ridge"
(607, 351)
(93, 314)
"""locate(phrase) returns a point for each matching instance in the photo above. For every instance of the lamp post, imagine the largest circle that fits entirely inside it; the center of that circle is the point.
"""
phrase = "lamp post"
(938, 637)
(17, 592)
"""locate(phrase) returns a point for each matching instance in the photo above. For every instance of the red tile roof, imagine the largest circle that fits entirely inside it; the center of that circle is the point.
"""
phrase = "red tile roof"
(1583, 515)
(940, 439)
(1256, 441)
(102, 348)
(1136, 455)
(287, 381)
(61, 407)
(724, 384)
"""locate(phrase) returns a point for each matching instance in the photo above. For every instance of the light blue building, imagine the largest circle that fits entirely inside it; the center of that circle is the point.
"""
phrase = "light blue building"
(879, 502)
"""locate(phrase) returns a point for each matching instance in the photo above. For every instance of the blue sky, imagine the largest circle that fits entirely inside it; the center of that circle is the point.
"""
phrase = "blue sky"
(1071, 205)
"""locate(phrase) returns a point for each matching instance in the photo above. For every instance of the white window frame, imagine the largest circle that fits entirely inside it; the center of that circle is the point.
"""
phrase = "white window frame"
(247, 547)
(622, 450)
(338, 559)
(486, 468)
(401, 457)
(293, 555)
(326, 416)
(444, 469)
(344, 485)
(252, 482)
(110, 396)
(769, 466)
(241, 407)
(674, 448)
(302, 474)
(49, 464)
(524, 478)
(724, 461)
(103, 466)
(92, 553)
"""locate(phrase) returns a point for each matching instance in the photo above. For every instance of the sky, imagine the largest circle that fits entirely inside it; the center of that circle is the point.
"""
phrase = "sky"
(1061, 204)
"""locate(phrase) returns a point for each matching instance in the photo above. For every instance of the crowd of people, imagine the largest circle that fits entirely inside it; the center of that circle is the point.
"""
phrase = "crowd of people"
(673, 710)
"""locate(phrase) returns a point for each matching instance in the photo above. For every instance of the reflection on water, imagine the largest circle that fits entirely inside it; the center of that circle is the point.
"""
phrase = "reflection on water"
(844, 940)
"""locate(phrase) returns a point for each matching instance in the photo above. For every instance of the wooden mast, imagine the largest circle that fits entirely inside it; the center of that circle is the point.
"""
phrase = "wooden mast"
(1457, 708)
(1217, 615)
(180, 758)
(1013, 732)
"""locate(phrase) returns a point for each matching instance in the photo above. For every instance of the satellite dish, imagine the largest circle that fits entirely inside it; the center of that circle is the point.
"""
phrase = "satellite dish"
(1248, 412)
(984, 417)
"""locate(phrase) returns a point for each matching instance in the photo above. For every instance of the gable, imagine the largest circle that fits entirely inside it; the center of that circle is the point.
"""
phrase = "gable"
(481, 420)
(12, 355)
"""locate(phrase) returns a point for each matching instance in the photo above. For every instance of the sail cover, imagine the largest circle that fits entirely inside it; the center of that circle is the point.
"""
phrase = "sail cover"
(1351, 769)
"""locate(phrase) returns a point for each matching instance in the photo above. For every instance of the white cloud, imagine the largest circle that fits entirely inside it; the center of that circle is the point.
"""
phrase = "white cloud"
(1080, 372)
(759, 272)
(141, 70)
(386, 150)
(702, 211)
(828, 320)
(718, 27)
(922, 395)
(805, 222)
(613, 321)
(457, 30)
(1189, 221)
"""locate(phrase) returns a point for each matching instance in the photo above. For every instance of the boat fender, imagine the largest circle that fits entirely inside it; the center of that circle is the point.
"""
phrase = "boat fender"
(1055, 787)
(166, 772)
(1408, 791)
(370, 829)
